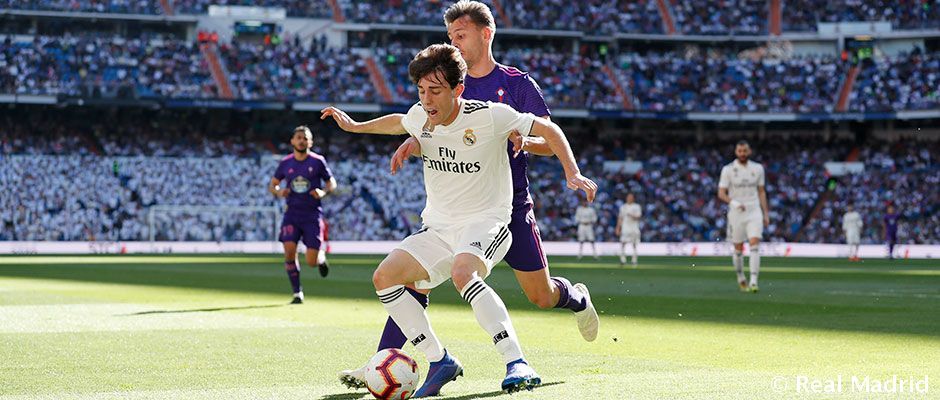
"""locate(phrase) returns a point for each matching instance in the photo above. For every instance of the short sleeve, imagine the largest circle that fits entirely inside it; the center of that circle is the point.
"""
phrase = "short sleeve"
(531, 97)
(327, 173)
(724, 180)
(760, 179)
(279, 172)
(506, 120)
(414, 120)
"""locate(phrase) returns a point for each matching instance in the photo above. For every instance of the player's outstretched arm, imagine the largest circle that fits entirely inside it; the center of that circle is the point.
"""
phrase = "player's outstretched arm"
(385, 125)
(558, 143)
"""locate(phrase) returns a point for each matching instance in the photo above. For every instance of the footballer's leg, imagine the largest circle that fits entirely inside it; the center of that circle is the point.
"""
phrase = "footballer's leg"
(754, 228)
(289, 236)
(623, 252)
(636, 240)
(754, 262)
(425, 259)
(527, 259)
(392, 338)
(737, 236)
(479, 248)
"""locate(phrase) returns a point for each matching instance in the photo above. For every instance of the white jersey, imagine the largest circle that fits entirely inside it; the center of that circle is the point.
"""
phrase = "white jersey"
(630, 217)
(466, 171)
(852, 222)
(585, 215)
(742, 182)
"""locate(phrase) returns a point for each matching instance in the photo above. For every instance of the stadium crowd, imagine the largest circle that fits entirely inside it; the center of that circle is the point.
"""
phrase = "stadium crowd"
(699, 80)
(804, 15)
(98, 187)
(910, 81)
(906, 176)
(695, 17)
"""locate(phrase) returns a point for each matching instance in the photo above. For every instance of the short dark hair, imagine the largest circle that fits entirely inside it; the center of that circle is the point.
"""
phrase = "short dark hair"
(303, 128)
(438, 58)
(743, 142)
(479, 13)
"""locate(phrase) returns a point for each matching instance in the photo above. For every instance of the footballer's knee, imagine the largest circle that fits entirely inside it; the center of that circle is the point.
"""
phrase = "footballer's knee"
(465, 269)
(383, 278)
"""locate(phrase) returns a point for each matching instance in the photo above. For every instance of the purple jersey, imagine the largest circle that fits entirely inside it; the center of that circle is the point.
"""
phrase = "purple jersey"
(891, 225)
(302, 177)
(516, 89)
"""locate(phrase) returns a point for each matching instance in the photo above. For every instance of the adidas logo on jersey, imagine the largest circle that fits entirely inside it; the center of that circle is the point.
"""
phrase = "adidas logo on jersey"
(477, 245)
(425, 135)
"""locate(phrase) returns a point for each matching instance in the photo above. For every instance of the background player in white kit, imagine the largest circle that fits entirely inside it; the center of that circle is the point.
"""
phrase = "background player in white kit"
(585, 216)
(469, 201)
(628, 228)
(852, 226)
(742, 186)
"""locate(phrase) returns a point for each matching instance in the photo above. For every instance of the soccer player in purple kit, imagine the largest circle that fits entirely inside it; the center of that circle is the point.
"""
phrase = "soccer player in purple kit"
(308, 179)
(471, 28)
(889, 227)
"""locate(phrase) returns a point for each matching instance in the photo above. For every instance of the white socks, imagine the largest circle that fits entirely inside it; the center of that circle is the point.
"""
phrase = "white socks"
(493, 318)
(634, 253)
(738, 260)
(321, 256)
(754, 264)
(413, 320)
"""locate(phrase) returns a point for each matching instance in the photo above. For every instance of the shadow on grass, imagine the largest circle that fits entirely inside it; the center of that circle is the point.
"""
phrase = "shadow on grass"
(195, 310)
(346, 396)
(667, 294)
(497, 393)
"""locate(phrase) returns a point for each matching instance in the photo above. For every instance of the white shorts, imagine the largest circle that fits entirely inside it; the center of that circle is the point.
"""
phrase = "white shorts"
(630, 236)
(853, 237)
(488, 239)
(745, 225)
(585, 233)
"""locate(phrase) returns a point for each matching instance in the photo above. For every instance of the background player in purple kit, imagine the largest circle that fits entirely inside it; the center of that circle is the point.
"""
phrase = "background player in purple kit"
(308, 179)
(889, 227)
(471, 28)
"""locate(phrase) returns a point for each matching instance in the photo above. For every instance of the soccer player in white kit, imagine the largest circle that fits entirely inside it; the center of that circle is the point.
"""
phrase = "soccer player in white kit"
(852, 226)
(628, 228)
(585, 216)
(742, 186)
(465, 220)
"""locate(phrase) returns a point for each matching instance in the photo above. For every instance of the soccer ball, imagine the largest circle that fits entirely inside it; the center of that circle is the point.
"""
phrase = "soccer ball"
(392, 374)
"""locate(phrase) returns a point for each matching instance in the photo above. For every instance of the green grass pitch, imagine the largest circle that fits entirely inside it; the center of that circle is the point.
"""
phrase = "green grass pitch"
(183, 327)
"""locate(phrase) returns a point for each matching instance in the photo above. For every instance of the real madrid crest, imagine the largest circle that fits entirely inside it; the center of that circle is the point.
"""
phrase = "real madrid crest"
(469, 138)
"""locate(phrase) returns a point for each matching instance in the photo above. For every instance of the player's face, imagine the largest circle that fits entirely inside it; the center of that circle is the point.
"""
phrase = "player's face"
(890, 209)
(630, 199)
(469, 38)
(438, 99)
(300, 141)
(742, 152)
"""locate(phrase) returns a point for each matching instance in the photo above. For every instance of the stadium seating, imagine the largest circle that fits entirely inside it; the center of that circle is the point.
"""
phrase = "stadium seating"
(109, 185)
(803, 15)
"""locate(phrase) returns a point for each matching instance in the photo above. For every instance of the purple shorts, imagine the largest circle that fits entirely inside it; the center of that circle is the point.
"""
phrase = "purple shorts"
(294, 228)
(525, 253)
